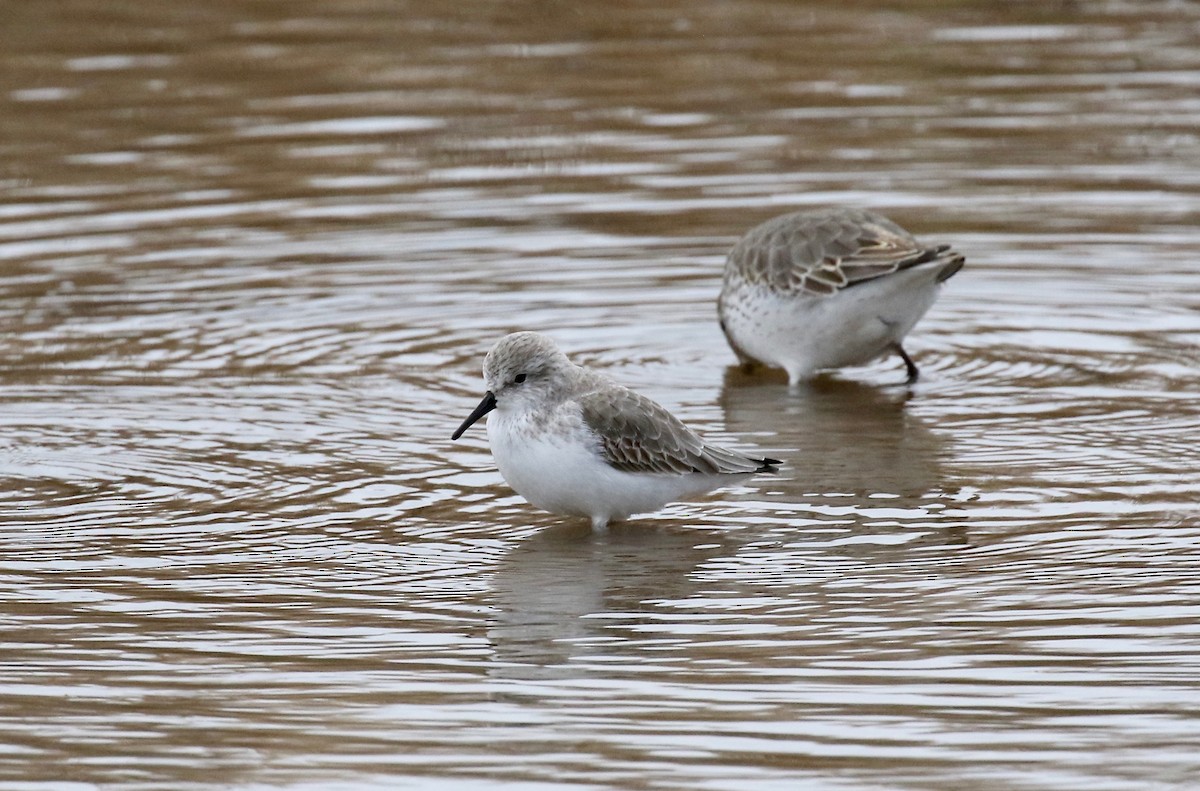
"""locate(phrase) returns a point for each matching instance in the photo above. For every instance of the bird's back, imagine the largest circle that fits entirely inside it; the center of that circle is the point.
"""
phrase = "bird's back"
(821, 252)
(638, 434)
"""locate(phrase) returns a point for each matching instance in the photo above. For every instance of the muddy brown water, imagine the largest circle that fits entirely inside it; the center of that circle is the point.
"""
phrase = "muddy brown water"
(251, 255)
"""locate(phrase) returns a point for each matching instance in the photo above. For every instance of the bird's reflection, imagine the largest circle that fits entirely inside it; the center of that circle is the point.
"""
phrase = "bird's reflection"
(568, 588)
(568, 591)
(840, 437)
(854, 453)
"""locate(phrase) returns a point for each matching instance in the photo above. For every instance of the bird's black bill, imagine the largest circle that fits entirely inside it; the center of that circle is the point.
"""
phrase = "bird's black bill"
(486, 405)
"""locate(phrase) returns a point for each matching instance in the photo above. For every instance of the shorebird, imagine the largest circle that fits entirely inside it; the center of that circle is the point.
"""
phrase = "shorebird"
(814, 290)
(573, 442)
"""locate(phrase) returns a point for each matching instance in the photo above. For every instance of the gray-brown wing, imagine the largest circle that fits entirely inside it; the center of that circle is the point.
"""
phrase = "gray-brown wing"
(821, 252)
(638, 435)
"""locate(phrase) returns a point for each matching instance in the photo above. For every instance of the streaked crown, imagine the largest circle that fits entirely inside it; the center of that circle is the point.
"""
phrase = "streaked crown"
(520, 357)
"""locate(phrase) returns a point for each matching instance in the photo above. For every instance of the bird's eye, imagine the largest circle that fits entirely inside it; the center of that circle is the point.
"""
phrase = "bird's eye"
(519, 378)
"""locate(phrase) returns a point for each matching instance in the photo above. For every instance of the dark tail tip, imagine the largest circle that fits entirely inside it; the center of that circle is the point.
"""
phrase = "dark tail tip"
(954, 262)
(769, 465)
(951, 261)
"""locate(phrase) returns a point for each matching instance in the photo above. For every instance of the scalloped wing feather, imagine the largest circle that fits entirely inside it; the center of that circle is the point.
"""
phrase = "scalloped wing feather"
(638, 435)
(822, 252)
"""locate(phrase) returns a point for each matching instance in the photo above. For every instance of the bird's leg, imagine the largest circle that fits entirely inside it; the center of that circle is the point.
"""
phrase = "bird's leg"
(909, 366)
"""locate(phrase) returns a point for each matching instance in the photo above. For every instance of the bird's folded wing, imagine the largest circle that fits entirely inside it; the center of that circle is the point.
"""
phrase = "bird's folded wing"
(638, 435)
(821, 254)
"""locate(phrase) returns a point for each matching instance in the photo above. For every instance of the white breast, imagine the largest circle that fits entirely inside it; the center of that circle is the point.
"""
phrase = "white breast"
(803, 333)
(563, 472)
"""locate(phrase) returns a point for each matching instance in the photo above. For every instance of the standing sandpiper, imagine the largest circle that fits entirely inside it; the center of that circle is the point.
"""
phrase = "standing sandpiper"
(571, 441)
(822, 289)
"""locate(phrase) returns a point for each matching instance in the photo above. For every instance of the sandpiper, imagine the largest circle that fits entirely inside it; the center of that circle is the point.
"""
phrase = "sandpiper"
(822, 289)
(573, 442)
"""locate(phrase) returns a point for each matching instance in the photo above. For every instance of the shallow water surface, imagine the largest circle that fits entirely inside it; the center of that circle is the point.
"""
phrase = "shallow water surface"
(252, 256)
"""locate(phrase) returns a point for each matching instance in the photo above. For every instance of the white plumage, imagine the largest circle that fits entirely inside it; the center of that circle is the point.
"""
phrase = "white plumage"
(824, 289)
(573, 442)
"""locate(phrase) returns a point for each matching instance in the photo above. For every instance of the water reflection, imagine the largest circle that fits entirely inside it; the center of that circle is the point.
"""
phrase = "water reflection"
(843, 437)
(568, 590)
(251, 254)
(864, 473)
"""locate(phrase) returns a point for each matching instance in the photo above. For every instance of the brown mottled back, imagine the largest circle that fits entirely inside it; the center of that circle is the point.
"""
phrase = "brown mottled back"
(820, 252)
(638, 435)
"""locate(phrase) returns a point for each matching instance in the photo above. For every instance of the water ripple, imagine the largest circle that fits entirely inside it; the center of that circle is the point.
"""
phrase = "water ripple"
(240, 548)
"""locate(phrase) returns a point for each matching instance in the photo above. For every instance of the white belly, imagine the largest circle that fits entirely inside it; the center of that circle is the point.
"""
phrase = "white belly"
(564, 474)
(804, 334)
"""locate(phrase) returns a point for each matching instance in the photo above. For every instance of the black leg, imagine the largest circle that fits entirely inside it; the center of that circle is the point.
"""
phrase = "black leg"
(909, 366)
